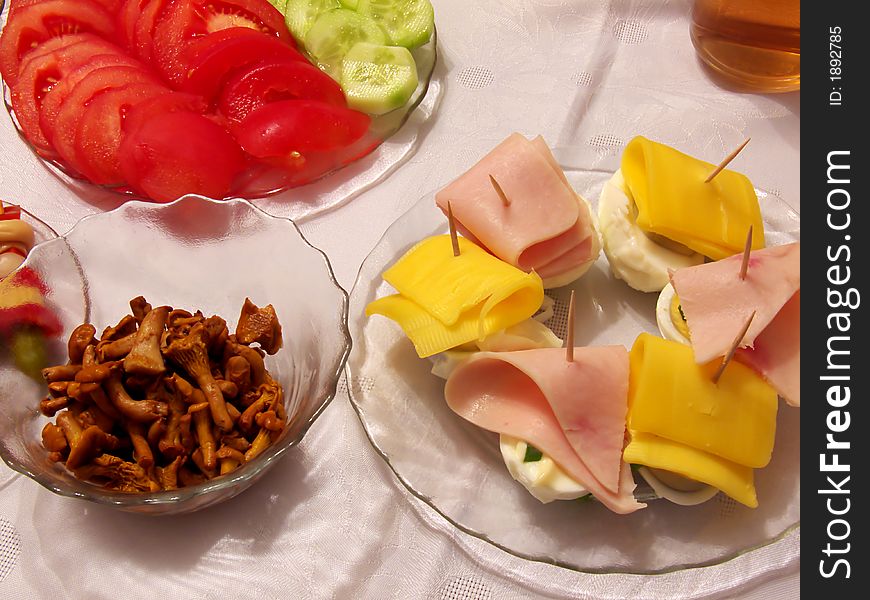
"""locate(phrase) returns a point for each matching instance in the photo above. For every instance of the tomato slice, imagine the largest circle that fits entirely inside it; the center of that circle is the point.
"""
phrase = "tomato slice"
(56, 97)
(98, 136)
(176, 153)
(97, 81)
(143, 33)
(175, 28)
(254, 14)
(252, 87)
(40, 73)
(29, 26)
(165, 103)
(281, 128)
(215, 57)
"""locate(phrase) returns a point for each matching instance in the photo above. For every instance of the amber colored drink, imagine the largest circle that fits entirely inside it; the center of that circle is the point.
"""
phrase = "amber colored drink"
(752, 44)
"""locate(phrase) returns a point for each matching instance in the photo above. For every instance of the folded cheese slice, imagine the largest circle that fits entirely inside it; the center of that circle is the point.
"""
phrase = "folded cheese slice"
(735, 480)
(445, 301)
(717, 303)
(547, 227)
(776, 354)
(674, 398)
(572, 412)
(673, 201)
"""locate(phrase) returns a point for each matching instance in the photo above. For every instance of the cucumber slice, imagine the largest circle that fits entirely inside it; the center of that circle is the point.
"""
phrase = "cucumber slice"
(377, 79)
(301, 14)
(408, 23)
(337, 31)
(351, 4)
(279, 5)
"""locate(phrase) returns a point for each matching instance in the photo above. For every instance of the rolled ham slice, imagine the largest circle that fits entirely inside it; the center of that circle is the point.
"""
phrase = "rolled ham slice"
(547, 228)
(717, 303)
(777, 352)
(572, 412)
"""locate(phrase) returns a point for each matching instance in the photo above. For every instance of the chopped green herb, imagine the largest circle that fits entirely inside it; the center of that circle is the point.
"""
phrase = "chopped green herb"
(682, 315)
(532, 454)
(586, 498)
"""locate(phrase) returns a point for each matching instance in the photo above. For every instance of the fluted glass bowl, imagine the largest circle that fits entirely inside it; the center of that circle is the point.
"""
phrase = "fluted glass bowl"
(194, 253)
(457, 468)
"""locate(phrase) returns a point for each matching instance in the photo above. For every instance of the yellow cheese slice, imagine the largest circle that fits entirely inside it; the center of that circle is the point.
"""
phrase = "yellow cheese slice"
(671, 396)
(445, 301)
(673, 201)
(653, 451)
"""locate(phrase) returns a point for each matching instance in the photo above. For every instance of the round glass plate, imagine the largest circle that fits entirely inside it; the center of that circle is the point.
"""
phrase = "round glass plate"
(331, 180)
(457, 469)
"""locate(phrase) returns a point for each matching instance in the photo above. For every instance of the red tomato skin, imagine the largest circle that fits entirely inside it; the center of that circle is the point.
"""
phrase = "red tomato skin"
(98, 135)
(253, 86)
(212, 59)
(53, 61)
(177, 153)
(31, 25)
(280, 128)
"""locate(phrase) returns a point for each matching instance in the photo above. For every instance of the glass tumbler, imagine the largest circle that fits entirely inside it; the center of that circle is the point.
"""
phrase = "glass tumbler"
(754, 45)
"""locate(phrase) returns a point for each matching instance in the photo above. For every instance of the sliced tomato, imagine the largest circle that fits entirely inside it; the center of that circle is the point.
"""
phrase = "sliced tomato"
(98, 136)
(41, 72)
(31, 25)
(111, 6)
(143, 33)
(281, 128)
(162, 104)
(97, 81)
(180, 23)
(176, 153)
(253, 14)
(56, 97)
(254, 86)
(212, 59)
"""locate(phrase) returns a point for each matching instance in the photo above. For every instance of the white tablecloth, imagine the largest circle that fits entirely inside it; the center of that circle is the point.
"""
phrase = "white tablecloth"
(330, 521)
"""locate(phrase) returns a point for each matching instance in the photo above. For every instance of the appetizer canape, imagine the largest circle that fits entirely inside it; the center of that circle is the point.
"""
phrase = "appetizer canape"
(16, 238)
(657, 213)
(517, 203)
(705, 305)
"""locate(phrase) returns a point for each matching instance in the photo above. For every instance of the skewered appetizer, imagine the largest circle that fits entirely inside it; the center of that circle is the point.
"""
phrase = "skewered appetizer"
(657, 213)
(702, 305)
(25, 321)
(16, 238)
(517, 203)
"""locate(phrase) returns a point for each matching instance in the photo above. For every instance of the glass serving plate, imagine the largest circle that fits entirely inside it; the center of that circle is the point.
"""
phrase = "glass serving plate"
(194, 253)
(457, 469)
(390, 141)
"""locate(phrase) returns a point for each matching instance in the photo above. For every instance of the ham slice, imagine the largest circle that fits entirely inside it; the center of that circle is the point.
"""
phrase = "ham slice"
(547, 227)
(717, 303)
(573, 412)
(777, 352)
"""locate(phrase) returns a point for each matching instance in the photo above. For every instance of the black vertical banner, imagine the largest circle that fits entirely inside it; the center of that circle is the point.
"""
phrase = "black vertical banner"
(835, 363)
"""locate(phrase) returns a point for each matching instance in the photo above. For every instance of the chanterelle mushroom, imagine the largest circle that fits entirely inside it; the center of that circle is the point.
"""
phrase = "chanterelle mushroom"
(259, 325)
(191, 354)
(145, 358)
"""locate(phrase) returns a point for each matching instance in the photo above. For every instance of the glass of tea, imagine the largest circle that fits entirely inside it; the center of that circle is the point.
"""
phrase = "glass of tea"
(753, 45)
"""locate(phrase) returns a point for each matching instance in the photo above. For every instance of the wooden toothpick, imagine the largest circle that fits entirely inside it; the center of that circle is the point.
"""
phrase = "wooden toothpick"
(452, 224)
(569, 338)
(746, 250)
(725, 162)
(733, 349)
(504, 199)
